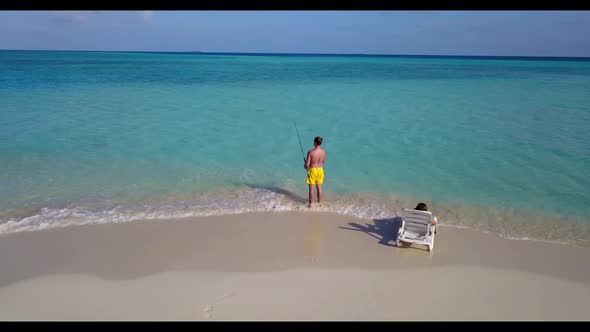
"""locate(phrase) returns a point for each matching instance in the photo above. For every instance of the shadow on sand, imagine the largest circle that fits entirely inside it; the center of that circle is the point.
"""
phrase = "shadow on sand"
(385, 230)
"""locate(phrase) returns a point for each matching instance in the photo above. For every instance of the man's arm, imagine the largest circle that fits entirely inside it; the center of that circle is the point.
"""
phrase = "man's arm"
(307, 160)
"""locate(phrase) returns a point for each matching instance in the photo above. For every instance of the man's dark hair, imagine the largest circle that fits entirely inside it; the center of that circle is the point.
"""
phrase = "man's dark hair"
(318, 140)
(421, 207)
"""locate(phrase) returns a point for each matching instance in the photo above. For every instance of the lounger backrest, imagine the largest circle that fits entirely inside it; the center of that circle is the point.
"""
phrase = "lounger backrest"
(416, 221)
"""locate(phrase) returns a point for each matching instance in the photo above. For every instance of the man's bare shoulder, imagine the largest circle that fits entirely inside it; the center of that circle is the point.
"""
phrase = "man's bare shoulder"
(317, 152)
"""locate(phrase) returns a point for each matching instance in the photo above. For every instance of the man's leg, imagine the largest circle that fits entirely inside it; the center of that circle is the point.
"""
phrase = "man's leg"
(310, 195)
(319, 188)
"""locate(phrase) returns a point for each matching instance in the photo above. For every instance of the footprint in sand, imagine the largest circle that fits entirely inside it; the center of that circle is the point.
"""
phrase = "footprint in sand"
(208, 309)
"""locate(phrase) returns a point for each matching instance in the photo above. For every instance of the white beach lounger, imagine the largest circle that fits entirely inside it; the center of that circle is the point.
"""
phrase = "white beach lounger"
(416, 228)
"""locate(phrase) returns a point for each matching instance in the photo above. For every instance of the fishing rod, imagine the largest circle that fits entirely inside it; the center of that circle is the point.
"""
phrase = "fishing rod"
(299, 138)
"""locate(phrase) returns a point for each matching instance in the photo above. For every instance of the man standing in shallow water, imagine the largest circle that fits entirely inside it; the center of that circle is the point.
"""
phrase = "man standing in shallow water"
(315, 172)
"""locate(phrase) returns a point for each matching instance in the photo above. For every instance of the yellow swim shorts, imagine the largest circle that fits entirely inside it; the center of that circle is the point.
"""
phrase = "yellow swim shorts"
(315, 175)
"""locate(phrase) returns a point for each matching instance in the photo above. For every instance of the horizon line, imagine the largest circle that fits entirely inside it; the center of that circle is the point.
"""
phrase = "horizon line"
(309, 54)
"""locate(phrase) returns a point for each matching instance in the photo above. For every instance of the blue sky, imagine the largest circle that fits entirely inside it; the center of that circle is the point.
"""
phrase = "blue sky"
(536, 33)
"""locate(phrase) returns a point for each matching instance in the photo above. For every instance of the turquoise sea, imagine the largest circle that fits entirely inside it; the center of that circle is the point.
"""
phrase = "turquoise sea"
(495, 144)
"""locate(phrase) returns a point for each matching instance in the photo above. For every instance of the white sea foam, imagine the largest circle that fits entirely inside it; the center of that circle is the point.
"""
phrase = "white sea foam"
(504, 223)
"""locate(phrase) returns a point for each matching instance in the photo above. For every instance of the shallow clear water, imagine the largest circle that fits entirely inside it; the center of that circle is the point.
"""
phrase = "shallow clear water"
(495, 144)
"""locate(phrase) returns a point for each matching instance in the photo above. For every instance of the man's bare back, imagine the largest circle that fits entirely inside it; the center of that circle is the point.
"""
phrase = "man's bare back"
(315, 157)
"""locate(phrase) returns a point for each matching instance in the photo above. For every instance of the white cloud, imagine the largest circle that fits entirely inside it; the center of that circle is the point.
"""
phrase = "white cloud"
(112, 18)
(146, 15)
(72, 16)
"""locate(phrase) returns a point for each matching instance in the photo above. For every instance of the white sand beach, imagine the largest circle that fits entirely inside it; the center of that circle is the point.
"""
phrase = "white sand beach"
(284, 266)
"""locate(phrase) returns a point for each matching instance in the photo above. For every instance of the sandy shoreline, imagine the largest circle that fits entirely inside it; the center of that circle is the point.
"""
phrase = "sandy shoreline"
(284, 266)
